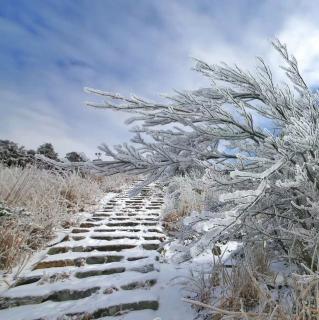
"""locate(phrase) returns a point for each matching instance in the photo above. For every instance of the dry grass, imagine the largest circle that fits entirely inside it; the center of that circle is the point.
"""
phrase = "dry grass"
(301, 305)
(115, 182)
(251, 289)
(243, 292)
(184, 194)
(40, 201)
(170, 221)
(224, 289)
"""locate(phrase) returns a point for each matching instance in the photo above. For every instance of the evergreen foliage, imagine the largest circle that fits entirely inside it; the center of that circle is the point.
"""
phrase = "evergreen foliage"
(74, 157)
(47, 150)
(266, 177)
(11, 154)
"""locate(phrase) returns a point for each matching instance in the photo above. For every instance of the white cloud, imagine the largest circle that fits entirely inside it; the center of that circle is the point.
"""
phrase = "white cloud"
(301, 34)
(36, 122)
(43, 101)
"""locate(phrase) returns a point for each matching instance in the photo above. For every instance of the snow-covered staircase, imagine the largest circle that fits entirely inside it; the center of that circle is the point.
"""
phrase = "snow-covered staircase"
(108, 266)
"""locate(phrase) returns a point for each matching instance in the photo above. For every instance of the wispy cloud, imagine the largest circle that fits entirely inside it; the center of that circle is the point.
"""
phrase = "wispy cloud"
(50, 50)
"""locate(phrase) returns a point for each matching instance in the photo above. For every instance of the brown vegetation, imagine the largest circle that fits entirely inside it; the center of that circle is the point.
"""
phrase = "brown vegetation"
(35, 202)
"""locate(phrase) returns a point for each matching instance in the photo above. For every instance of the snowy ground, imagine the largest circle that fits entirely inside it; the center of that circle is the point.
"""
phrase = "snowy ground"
(109, 267)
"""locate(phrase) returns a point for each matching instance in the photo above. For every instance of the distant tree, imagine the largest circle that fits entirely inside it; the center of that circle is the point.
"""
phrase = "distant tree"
(75, 157)
(31, 152)
(48, 151)
(11, 154)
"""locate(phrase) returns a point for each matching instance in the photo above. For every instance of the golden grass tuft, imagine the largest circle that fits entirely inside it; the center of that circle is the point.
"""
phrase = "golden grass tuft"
(42, 201)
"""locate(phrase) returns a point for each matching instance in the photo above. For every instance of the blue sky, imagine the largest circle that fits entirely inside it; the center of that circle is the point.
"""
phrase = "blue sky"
(50, 50)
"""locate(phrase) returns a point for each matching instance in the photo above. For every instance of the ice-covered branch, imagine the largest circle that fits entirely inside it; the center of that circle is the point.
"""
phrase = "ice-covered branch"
(254, 141)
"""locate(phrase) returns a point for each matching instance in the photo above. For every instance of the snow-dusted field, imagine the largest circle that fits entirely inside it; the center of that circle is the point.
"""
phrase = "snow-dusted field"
(107, 267)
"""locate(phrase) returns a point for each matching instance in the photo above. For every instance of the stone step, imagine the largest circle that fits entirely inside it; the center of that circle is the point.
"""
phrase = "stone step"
(114, 230)
(97, 308)
(62, 295)
(78, 238)
(111, 247)
(89, 225)
(92, 273)
(73, 293)
(107, 271)
(101, 215)
(78, 262)
(79, 230)
(98, 271)
(109, 238)
(125, 307)
(130, 224)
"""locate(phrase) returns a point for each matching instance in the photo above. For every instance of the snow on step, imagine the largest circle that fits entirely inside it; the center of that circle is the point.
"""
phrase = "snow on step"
(105, 266)
(106, 282)
(97, 305)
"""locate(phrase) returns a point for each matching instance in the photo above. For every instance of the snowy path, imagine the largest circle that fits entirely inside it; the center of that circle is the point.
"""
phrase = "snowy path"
(107, 268)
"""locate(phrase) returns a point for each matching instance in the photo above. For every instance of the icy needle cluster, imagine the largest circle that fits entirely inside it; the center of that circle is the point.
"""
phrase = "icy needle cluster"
(267, 177)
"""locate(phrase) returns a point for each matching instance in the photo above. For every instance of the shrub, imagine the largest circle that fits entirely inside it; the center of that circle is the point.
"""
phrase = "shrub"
(250, 290)
(36, 202)
(75, 156)
(11, 154)
(47, 150)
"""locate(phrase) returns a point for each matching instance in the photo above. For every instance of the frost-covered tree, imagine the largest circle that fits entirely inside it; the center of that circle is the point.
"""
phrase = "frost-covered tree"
(74, 156)
(11, 154)
(47, 150)
(266, 177)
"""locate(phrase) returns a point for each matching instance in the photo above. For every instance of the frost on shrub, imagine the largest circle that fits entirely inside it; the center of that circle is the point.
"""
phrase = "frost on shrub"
(11, 154)
(4, 210)
(48, 151)
(184, 194)
(74, 156)
(34, 203)
(266, 178)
